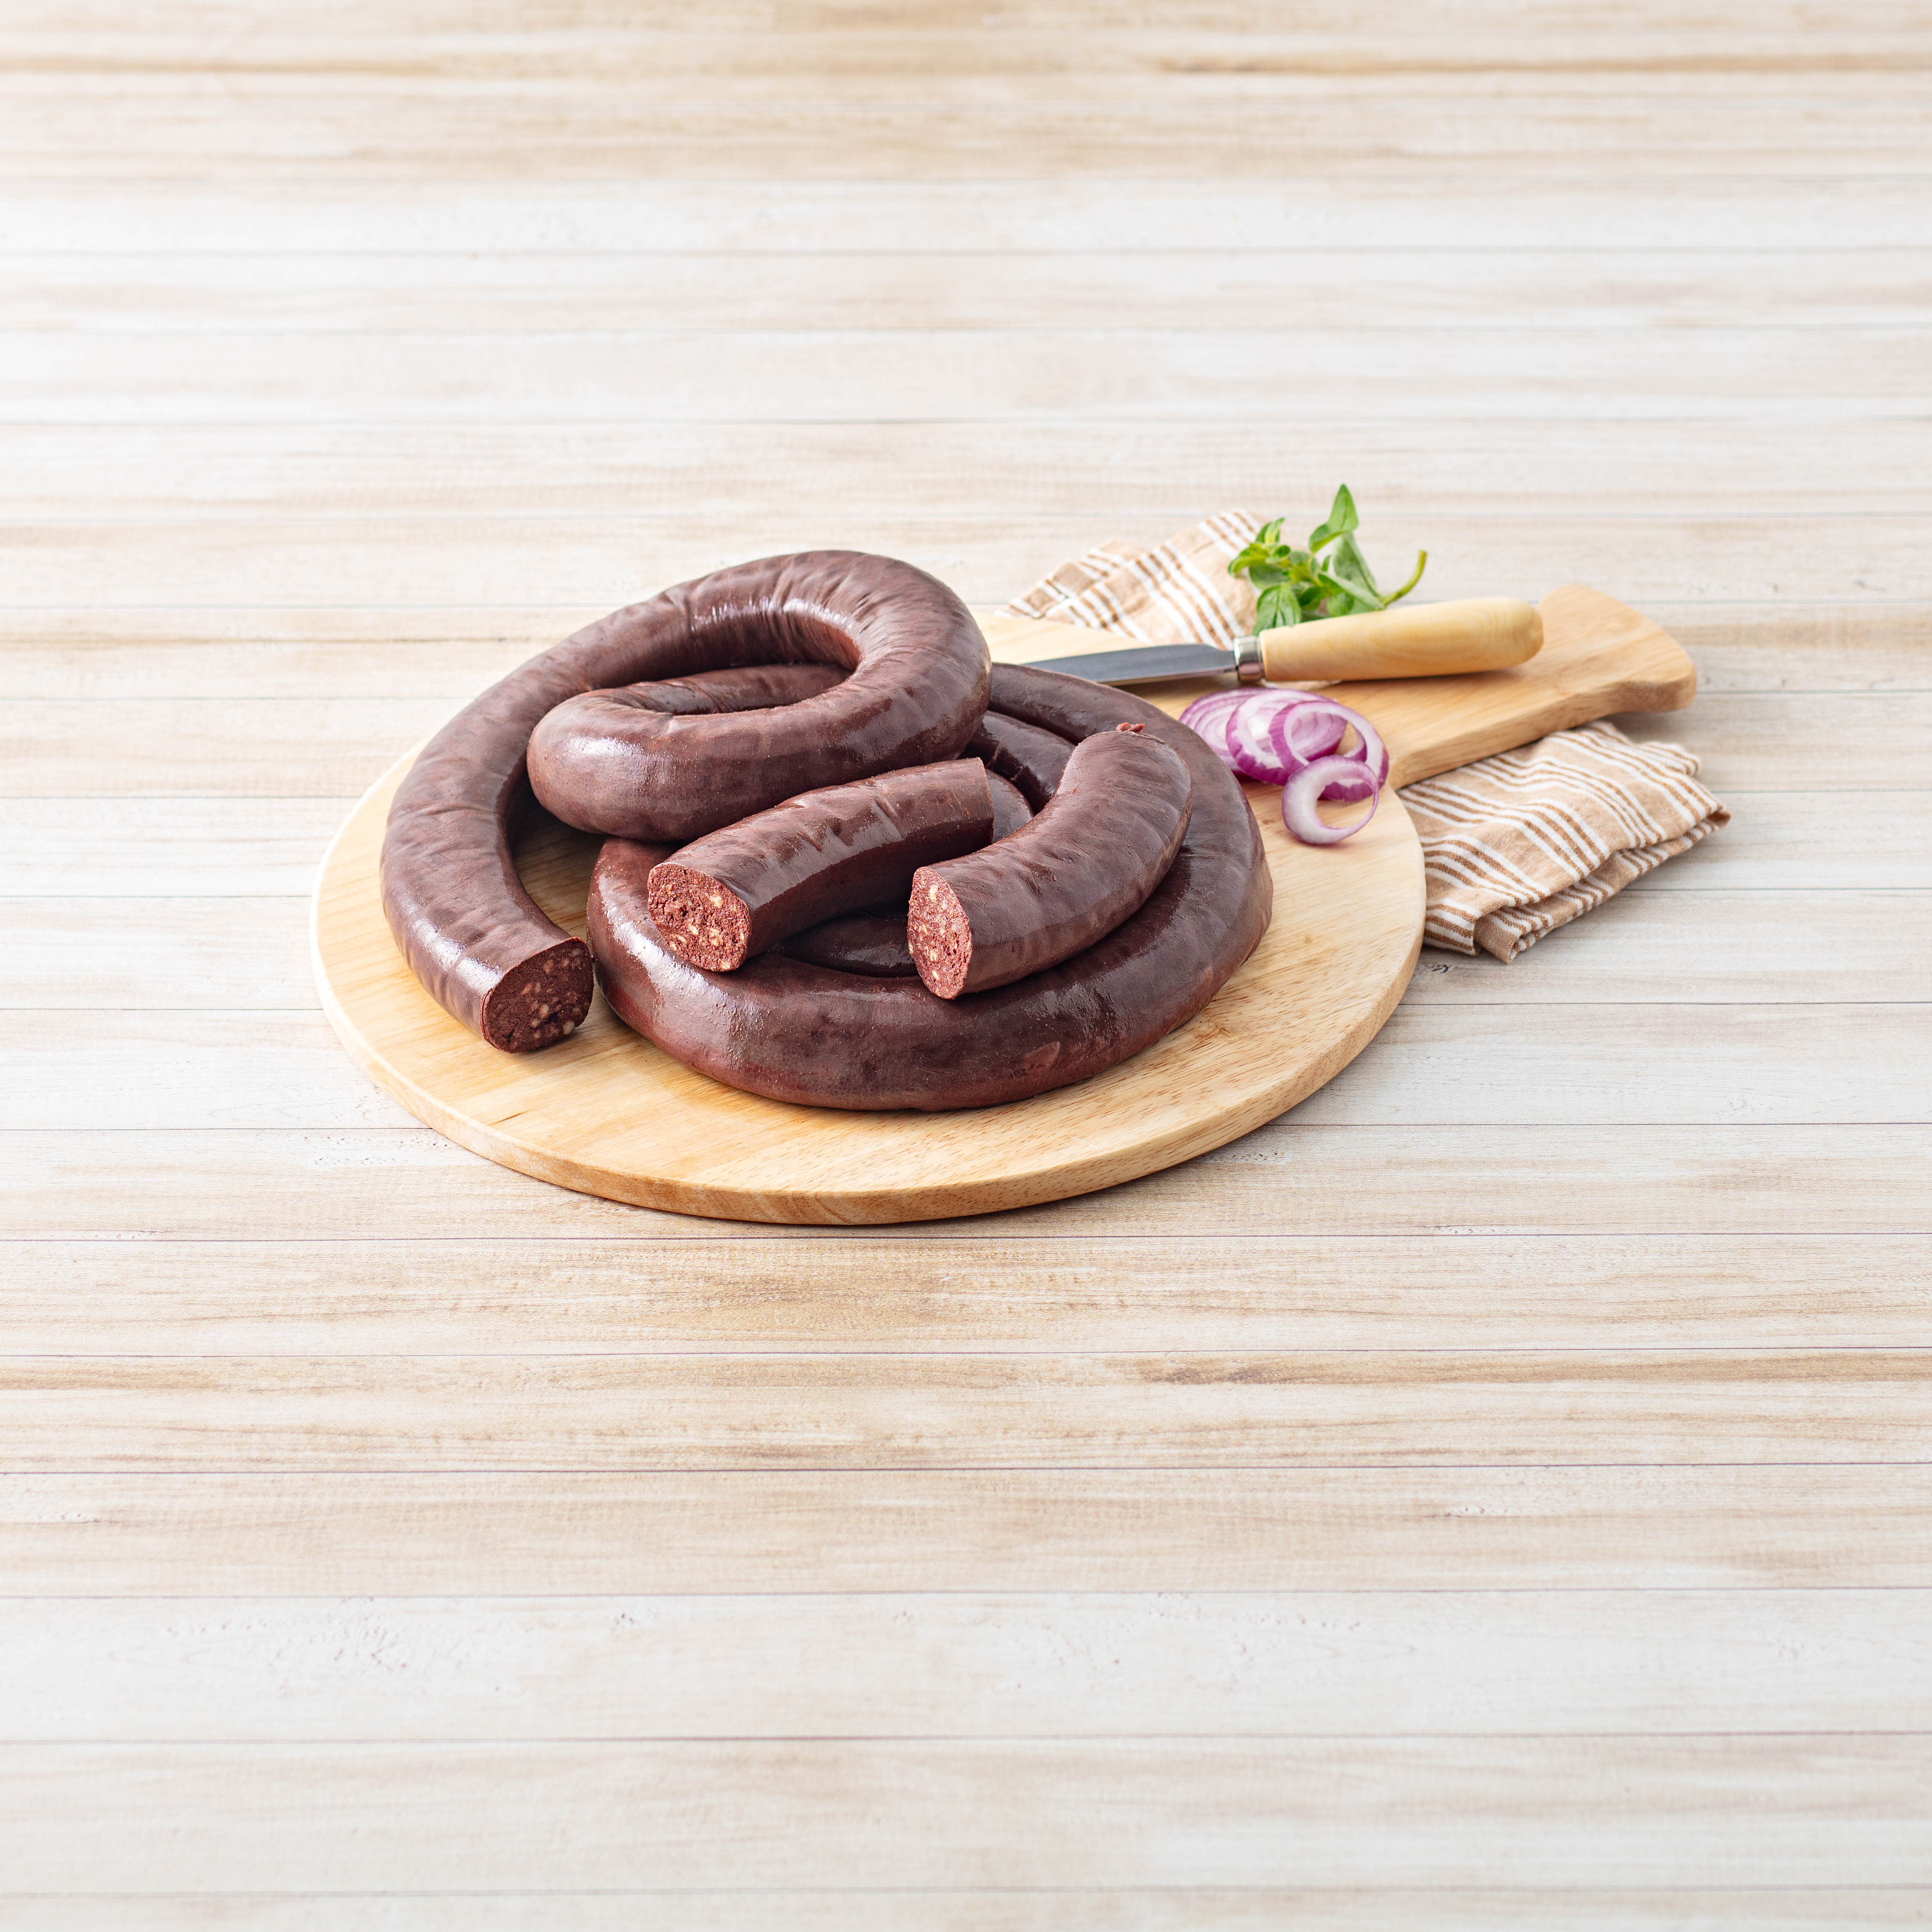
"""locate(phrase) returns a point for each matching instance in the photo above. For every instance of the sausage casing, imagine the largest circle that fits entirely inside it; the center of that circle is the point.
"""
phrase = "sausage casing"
(1089, 861)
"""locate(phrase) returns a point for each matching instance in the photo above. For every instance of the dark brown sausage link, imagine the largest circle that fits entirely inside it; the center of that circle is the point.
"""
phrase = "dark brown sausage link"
(1022, 753)
(916, 690)
(794, 1030)
(738, 891)
(1089, 861)
(607, 761)
(874, 941)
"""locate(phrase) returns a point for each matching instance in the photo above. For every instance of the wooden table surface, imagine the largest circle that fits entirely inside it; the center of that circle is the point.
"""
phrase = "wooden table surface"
(1495, 1494)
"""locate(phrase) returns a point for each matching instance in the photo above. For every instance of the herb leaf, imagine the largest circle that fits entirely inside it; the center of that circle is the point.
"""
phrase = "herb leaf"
(1301, 586)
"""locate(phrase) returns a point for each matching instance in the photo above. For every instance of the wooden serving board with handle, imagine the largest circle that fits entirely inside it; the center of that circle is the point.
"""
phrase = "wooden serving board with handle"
(606, 1113)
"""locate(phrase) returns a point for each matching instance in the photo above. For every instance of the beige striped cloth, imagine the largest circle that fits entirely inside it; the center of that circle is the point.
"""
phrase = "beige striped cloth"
(1513, 846)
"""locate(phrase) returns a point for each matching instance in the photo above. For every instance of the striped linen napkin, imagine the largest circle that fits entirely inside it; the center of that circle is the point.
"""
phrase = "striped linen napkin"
(1513, 846)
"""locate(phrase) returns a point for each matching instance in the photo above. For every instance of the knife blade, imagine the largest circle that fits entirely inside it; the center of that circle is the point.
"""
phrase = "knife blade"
(1143, 663)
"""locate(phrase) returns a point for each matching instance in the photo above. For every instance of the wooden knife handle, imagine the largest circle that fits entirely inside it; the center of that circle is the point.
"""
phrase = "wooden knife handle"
(1411, 640)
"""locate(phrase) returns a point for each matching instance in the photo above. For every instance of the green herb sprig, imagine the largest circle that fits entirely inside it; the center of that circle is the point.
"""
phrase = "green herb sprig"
(1301, 586)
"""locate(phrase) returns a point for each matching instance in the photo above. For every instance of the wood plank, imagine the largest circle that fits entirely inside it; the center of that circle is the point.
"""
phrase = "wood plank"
(1652, 26)
(1439, 1409)
(386, 1293)
(777, 56)
(1756, 741)
(351, 135)
(238, 952)
(1152, 478)
(1776, 842)
(1285, 1179)
(86, 848)
(1722, 947)
(1600, 1811)
(569, 1534)
(589, 565)
(1625, 1065)
(218, 294)
(1529, 373)
(1696, 213)
(1361, 1664)
(1700, 1908)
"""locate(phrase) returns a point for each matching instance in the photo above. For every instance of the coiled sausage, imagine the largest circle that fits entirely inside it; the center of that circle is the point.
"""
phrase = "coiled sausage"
(916, 692)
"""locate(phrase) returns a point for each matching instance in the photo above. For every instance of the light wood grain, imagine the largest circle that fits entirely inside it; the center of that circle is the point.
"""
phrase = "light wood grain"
(1077, 1290)
(323, 1184)
(1152, 478)
(353, 352)
(753, 1816)
(215, 295)
(296, 747)
(1497, 1063)
(1438, 1408)
(1438, 1662)
(566, 1533)
(983, 1908)
(59, 654)
(589, 565)
(1714, 375)
(1784, 208)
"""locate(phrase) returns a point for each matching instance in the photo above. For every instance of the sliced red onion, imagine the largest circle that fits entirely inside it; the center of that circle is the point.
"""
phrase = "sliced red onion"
(1370, 756)
(1299, 795)
(1255, 749)
(1306, 732)
(1271, 737)
(1208, 718)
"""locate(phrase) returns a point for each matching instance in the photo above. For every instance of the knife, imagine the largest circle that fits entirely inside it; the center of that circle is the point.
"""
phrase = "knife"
(1416, 641)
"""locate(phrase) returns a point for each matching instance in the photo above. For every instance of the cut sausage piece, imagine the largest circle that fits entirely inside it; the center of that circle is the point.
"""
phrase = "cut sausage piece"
(737, 892)
(1022, 753)
(917, 689)
(873, 942)
(1089, 861)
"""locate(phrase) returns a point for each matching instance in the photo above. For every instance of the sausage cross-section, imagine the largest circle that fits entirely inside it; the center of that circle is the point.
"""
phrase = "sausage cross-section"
(1089, 860)
(911, 687)
(738, 891)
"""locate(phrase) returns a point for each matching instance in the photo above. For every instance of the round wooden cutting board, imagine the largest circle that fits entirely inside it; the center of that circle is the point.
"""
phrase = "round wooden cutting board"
(606, 1113)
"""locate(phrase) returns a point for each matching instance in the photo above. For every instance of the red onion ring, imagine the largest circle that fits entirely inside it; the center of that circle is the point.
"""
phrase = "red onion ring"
(1257, 749)
(1206, 717)
(1299, 795)
(1370, 757)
